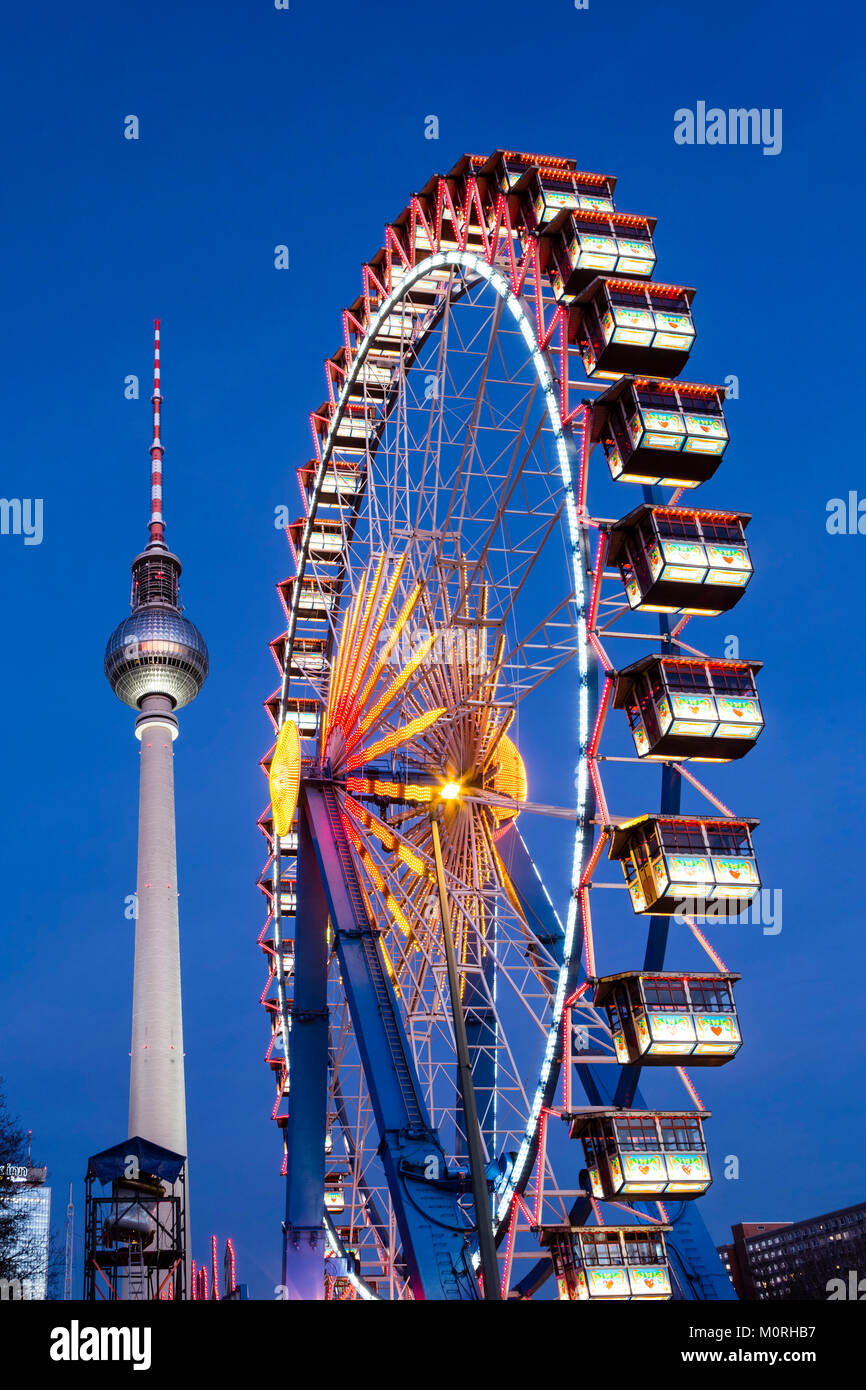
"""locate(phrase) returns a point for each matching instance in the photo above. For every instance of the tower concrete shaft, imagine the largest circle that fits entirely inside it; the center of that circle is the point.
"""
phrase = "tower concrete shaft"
(157, 1097)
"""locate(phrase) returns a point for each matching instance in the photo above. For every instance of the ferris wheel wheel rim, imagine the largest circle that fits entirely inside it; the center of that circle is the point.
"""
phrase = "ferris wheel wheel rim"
(497, 277)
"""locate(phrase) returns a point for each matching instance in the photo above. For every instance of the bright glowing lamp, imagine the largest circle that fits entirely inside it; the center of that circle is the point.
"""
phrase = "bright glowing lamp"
(450, 791)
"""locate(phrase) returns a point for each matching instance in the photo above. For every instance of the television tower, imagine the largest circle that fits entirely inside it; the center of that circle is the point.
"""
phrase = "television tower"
(156, 661)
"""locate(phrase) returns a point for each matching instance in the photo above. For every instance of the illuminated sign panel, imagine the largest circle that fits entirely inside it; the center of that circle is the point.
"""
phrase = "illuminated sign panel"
(650, 1282)
(625, 317)
(690, 868)
(717, 1028)
(687, 1168)
(677, 1028)
(643, 1168)
(694, 707)
(740, 872)
(608, 1282)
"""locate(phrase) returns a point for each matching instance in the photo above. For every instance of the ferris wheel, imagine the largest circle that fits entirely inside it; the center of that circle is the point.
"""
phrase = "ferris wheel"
(457, 1080)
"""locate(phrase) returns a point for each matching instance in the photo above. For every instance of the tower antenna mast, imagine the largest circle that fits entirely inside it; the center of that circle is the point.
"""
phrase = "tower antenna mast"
(157, 523)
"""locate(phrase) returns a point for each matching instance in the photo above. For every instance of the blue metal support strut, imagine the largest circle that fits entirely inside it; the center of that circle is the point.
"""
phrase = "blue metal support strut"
(304, 1242)
(436, 1238)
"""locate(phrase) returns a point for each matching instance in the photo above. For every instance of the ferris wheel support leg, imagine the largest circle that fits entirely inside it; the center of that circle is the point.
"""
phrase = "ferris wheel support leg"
(304, 1246)
(425, 1196)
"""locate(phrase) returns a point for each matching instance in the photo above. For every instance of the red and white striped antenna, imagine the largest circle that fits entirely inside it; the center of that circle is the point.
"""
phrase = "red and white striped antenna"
(157, 524)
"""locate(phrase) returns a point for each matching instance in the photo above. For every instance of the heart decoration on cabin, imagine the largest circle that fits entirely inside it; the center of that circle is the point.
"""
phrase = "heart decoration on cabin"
(643, 1167)
(728, 559)
(649, 1283)
(705, 428)
(738, 713)
(735, 873)
(715, 1028)
(686, 1168)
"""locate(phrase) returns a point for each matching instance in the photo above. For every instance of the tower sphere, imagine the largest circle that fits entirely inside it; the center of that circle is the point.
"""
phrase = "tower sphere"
(156, 651)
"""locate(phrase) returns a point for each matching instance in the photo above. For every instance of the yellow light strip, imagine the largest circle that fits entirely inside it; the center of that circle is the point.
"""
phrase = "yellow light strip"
(335, 688)
(393, 690)
(391, 903)
(356, 645)
(399, 791)
(404, 734)
(366, 859)
(399, 916)
(362, 650)
(389, 967)
(390, 839)
(383, 832)
(336, 669)
(410, 859)
(402, 618)
(353, 703)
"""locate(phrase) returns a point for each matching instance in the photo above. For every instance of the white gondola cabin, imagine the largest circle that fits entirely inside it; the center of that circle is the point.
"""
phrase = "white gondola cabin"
(666, 1018)
(317, 598)
(352, 431)
(340, 484)
(325, 538)
(627, 326)
(676, 560)
(673, 433)
(671, 862)
(584, 244)
(609, 1262)
(690, 707)
(280, 962)
(288, 893)
(371, 382)
(285, 961)
(545, 187)
(275, 1055)
(548, 195)
(288, 888)
(368, 386)
(643, 1153)
(304, 712)
(309, 657)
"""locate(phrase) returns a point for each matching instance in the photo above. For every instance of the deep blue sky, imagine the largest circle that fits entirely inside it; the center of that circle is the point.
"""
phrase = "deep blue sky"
(306, 127)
